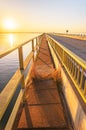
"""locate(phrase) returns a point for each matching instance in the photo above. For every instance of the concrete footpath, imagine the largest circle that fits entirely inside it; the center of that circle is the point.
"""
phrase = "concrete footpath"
(43, 108)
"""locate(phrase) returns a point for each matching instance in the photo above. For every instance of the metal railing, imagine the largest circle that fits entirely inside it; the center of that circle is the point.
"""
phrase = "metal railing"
(74, 65)
(9, 90)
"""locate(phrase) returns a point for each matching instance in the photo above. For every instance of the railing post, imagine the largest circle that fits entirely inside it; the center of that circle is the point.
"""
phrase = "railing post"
(20, 51)
(85, 88)
(75, 78)
(81, 81)
(78, 74)
(37, 44)
(40, 39)
(73, 67)
(63, 56)
(21, 58)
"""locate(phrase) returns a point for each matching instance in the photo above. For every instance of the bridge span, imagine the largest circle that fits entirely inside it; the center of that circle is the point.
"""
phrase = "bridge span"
(52, 94)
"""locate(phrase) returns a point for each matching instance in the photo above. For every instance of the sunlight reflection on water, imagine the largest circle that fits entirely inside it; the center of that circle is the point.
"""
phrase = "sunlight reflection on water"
(9, 64)
(11, 40)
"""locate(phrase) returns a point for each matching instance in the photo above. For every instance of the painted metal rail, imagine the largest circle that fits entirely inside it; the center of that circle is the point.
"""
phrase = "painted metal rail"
(9, 90)
(74, 66)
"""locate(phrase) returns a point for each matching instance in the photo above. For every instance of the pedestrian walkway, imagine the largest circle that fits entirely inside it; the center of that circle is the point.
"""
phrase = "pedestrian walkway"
(43, 108)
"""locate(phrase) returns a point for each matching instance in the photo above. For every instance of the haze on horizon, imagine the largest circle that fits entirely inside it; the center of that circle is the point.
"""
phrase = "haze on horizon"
(43, 16)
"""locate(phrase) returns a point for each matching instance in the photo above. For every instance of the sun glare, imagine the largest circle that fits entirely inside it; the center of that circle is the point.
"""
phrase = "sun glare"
(11, 39)
(9, 24)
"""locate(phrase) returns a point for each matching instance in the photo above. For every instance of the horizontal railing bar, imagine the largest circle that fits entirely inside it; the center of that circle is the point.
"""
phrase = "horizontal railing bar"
(11, 120)
(8, 92)
(12, 49)
(2, 54)
(73, 55)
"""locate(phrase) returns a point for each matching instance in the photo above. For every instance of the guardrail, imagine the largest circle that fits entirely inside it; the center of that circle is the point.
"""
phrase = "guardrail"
(74, 65)
(9, 90)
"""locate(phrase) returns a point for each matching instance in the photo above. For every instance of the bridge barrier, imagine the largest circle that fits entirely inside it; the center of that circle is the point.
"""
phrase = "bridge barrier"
(9, 90)
(74, 66)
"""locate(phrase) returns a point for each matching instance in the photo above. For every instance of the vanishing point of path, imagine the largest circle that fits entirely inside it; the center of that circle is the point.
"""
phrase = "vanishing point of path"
(43, 108)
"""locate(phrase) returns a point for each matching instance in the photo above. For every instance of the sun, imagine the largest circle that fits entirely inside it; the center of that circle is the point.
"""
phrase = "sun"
(9, 24)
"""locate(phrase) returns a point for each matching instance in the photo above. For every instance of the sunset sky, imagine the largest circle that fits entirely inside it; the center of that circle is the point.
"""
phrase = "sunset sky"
(43, 15)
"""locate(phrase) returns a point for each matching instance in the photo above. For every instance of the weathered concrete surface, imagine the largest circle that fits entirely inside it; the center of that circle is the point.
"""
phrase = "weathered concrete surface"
(43, 107)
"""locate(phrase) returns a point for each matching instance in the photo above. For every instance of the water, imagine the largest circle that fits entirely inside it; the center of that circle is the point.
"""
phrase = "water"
(9, 64)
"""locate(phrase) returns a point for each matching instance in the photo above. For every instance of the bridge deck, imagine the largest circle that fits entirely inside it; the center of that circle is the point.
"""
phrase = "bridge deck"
(43, 107)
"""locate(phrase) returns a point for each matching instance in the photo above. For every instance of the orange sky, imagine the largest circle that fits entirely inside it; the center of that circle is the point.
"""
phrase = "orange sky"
(43, 15)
